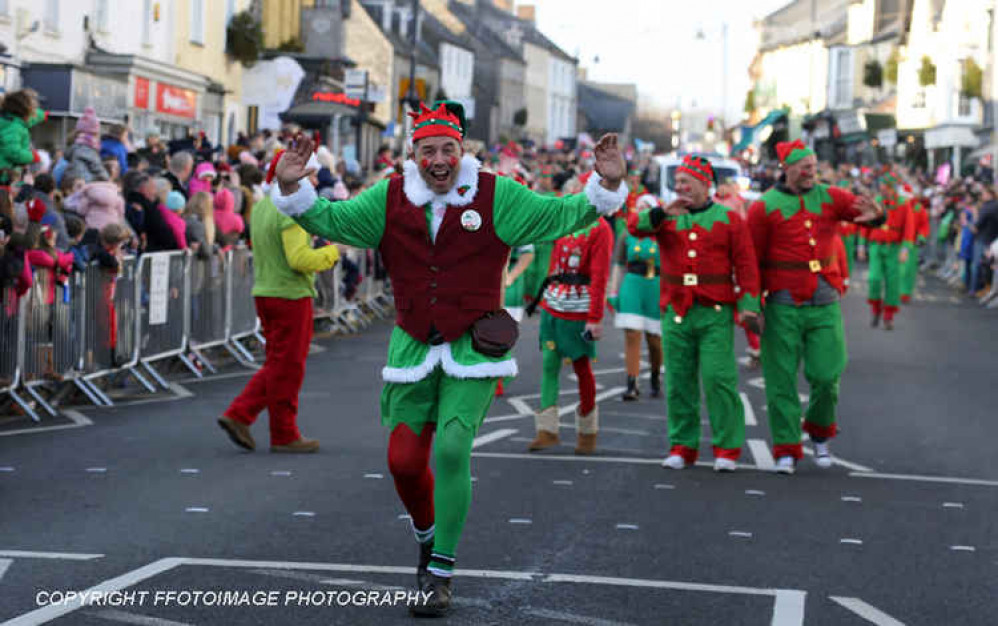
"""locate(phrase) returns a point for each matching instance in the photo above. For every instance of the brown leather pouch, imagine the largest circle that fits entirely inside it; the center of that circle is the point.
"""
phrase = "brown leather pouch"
(495, 333)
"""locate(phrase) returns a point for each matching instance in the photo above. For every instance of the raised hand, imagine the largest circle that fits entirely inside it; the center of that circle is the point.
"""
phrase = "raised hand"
(868, 208)
(293, 165)
(610, 163)
(677, 207)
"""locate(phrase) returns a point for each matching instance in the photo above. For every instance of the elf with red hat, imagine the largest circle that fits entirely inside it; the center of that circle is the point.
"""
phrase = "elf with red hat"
(703, 244)
(793, 227)
(920, 226)
(888, 248)
(445, 230)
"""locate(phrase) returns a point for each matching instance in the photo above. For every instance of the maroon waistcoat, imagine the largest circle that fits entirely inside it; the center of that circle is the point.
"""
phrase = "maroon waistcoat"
(450, 283)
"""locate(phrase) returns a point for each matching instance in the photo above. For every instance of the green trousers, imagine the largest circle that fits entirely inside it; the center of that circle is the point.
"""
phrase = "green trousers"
(701, 347)
(814, 334)
(457, 406)
(909, 272)
(850, 243)
(885, 274)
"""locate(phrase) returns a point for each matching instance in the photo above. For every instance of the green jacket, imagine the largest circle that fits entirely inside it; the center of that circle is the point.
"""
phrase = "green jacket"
(15, 140)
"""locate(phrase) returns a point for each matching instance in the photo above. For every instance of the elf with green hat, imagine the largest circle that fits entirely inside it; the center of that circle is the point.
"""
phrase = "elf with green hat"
(888, 249)
(444, 229)
(793, 228)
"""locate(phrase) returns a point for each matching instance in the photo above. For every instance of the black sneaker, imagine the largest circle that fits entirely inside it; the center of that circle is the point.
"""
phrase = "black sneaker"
(656, 387)
(632, 392)
(422, 570)
(438, 601)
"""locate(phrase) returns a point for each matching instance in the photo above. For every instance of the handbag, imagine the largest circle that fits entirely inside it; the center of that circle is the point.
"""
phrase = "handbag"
(495, 333)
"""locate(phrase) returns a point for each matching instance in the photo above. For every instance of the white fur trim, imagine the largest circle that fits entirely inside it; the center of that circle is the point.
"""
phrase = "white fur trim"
(587, 424)
(441, 355)
(516, 312)
(419, 193)
(297, 203)
(605, 201)
(547, 420)
(632, 321)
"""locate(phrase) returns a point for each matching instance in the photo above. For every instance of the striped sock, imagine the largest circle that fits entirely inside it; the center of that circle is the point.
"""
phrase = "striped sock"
(424, 536)
(442, 565)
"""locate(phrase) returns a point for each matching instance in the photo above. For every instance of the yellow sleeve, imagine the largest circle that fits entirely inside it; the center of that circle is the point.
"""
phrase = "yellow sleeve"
(300, 254)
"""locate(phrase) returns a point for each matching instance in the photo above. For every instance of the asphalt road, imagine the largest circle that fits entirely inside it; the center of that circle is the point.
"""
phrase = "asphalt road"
(152, 497)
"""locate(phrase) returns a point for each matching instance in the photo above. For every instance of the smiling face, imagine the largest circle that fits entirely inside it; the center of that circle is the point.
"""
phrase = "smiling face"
(689, 188)
(802, 175)
(439, 161)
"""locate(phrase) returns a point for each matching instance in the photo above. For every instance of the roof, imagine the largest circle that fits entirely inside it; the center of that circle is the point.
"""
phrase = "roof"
(425, 54)
(603, 110)
(484, 34)
(530, 32)
(435, 29)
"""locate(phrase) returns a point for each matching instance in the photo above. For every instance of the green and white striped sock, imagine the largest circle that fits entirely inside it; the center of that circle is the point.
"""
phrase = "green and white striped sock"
(442, 565)
(424, 536)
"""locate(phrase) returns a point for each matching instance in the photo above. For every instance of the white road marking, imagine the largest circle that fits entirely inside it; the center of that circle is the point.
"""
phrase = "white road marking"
(855, 467)
(520, 520)
(788, 608)
(750, 419)
(758, 382)
(495, 435)
(61, 556)
(850, 541)
(180, 391)
(6, 469)
(664, 486)
(963, 548)
(561, 482)
(760, 454)
(280, 473)
(520, 406)
(214, 377)
(375, 476)
(740, 533)
(196, 509)
(4, 565)
(506, 418)
(561, 392)
(325, 580)
(952, 505)
(124, 617)
(565, 410)
(927, 479)
(851, 499)
(303, 514)
(79, 420)
(754, 492)
(97, 470)
(404, 516)
(627, 526)
(866, 611)
(566, 457)
(190, 470)
(612, 429)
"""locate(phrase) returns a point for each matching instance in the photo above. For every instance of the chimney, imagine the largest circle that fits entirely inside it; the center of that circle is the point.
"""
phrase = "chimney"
(527, 13)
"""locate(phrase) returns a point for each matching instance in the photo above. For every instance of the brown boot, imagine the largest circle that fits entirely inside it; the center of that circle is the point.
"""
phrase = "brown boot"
(587, 426)
(298, 446)
(238, 432)
(547, 429)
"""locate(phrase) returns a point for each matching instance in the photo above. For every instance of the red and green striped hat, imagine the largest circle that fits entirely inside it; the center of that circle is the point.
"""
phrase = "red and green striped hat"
(789, 152)
(435, 123)
(698, 167)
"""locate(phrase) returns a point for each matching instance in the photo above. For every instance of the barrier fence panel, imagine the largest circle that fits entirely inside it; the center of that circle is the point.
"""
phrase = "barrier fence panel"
(208, 304)
(242, 310)
(48, 325)
(163, 317)
(12, 324)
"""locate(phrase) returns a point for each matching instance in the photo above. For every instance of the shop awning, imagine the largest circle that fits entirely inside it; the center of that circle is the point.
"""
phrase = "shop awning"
(316, 112)
(748, 132)
(879, 121)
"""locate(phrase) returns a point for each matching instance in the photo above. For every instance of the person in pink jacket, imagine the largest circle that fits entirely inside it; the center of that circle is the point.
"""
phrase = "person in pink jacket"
(47, 257)
(204, 174)
(99, 204)
(229, 225)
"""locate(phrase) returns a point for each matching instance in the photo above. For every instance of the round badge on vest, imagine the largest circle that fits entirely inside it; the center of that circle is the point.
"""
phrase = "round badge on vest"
(471, 220)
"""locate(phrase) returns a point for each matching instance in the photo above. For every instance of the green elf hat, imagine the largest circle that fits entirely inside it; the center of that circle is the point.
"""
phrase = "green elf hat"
(789, 152)
(457, 110)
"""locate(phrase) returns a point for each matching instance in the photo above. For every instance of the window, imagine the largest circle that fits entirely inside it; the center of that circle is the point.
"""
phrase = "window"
(843, 78)
(51, 19)
(230, 10)
(918, 102)
(146, 22)
(963, 108)
(197, 22)
(101, 15)
(4, 8)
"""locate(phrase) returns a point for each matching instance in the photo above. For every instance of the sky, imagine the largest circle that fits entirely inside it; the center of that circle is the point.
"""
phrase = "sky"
(653, 43)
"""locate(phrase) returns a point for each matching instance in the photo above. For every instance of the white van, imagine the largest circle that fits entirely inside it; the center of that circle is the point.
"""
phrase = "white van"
(723, 169)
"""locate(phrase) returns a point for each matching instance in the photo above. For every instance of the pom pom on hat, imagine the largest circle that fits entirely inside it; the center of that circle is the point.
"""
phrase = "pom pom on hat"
(88, 122)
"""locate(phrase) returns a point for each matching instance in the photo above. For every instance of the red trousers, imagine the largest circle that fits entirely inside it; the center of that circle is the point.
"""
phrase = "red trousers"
(287, 327)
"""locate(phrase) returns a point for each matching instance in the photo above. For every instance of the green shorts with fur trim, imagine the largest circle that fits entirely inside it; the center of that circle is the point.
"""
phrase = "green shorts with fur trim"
(437, 399)
(565, 337)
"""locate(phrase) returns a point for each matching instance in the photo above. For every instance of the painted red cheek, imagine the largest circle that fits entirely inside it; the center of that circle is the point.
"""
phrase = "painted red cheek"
(424, 163)
(452, 161)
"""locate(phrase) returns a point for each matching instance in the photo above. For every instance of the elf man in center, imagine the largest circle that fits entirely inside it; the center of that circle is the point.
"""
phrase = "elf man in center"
(706, 251)
(793, 228)
(888, 248)
(444, 230)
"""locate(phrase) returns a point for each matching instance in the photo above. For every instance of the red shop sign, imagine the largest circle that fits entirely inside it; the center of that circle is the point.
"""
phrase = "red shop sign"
(340, 98)
(141, 93)
(176, 101)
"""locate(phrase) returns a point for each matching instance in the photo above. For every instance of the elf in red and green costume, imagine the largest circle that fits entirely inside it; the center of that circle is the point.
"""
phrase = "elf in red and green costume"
(793, 227)
(573, 302)
(920, 226)
(444, 230)
(702, 245)
(888, 248)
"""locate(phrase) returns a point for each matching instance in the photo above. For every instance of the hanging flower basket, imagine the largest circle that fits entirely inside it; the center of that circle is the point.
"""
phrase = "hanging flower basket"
(244, 38)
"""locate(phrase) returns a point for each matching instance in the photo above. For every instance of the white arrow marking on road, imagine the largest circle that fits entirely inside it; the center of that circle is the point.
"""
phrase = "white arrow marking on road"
(866, 611)
(565, 410)
(4, 564)
(124, 617)
(495, 435)
(520, 406)
(761, 454)
(749, 411)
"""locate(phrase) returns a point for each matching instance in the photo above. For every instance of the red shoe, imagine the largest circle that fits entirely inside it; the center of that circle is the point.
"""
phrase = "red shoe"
(499, 389)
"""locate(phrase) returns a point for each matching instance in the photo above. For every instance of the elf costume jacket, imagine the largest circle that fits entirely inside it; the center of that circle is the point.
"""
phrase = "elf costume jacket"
(580, 267)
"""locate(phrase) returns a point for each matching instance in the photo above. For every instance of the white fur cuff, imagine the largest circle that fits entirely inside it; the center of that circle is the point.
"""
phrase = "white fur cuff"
(605, 201)
(297, 203)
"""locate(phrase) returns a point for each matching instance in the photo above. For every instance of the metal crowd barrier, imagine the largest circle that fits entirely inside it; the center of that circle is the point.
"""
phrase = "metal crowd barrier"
(67, 334)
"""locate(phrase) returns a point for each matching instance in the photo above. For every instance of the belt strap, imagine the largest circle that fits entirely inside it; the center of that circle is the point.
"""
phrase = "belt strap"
(796, 265)
(700, 279)
(642, 268)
